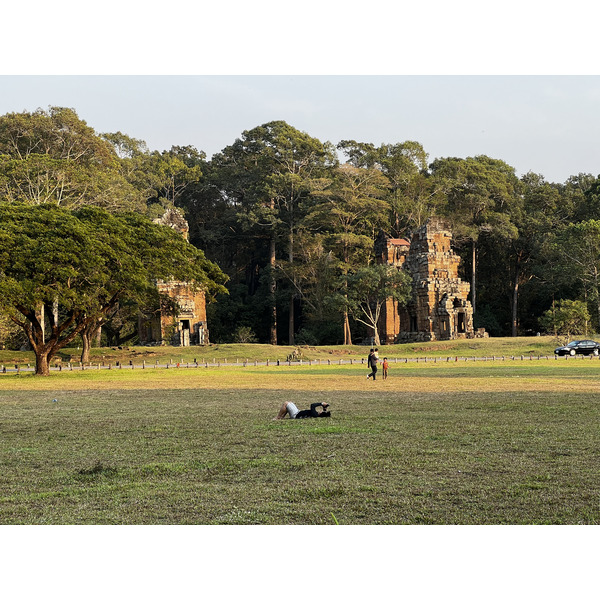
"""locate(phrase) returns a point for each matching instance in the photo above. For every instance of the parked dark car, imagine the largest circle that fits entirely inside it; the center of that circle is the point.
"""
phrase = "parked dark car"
(579, 347)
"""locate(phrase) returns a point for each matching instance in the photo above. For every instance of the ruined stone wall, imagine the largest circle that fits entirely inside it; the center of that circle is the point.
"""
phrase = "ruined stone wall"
(189, 326)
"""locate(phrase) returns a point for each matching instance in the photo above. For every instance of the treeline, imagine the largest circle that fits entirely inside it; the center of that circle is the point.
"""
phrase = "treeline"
(287, 216)
(292, 221)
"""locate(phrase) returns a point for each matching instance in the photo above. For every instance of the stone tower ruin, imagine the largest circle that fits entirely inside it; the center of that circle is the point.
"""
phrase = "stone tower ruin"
(438, 308)
(189, 326)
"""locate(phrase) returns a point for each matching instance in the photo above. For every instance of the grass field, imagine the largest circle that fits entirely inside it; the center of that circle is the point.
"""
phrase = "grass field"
(512, 442)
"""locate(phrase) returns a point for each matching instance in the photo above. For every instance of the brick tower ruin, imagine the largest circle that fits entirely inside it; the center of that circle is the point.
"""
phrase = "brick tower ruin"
(438, 308)
(188, 327)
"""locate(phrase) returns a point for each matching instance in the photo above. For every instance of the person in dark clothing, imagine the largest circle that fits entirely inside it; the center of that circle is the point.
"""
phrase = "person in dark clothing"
(372, 362)
(289, 408)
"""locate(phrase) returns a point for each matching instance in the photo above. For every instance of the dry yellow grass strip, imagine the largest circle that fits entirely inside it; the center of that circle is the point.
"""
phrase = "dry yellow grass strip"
(445, 378)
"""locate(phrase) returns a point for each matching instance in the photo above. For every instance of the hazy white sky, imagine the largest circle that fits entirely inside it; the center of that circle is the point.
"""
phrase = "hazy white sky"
(517, 81)
(546, 124)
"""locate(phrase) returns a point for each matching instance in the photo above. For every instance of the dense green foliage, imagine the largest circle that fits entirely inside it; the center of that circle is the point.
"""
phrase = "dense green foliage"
(292, 223)
(77, 266)
(525, 242)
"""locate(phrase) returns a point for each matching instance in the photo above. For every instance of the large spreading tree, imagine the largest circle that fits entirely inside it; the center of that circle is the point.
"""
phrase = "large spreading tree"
(71, 268)
(53, 156)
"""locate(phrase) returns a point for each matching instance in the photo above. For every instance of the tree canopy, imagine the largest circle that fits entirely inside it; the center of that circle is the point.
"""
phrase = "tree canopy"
(289, 218)
(85, 262)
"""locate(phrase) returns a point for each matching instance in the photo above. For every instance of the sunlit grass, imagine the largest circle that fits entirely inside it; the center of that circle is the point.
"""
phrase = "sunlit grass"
(460, 442)
(517, 375)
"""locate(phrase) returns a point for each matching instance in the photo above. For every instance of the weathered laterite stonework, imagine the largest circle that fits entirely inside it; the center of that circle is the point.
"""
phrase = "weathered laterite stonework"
(438, 308)
(189, 327)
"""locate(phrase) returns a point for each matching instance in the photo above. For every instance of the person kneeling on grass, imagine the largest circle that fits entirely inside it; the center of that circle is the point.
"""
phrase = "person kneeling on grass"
(291, 409)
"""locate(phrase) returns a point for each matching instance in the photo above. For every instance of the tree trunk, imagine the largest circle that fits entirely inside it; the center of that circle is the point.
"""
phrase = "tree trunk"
(473, 270)
(515, 300)
(347, 332)
(376, 339)
(34, 330)
(86, 344)
(87, 336)
(273, 289)
(291, 323)
(41, 317)
(55, 311)
(42, 363)
(597, 292)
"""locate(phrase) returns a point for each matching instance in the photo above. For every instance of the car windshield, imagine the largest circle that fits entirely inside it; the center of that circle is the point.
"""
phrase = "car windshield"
(572, 344)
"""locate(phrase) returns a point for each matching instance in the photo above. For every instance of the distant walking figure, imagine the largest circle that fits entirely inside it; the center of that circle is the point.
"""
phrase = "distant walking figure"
(372, 362)
(289, 408)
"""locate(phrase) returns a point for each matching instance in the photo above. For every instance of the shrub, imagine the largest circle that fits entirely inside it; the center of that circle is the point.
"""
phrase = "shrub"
(244, 335)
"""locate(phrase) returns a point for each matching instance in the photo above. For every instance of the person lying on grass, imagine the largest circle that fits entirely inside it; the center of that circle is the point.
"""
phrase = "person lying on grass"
(291, 409)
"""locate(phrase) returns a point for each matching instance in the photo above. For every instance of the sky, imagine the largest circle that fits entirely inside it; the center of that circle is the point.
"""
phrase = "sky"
(518, 82)
(547, 124)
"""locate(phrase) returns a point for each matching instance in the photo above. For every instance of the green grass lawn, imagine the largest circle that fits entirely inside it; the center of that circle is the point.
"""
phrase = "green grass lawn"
(458, 443)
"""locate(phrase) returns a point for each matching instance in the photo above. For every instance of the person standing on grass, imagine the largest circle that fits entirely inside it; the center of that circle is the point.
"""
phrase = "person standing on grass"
(289, 408)
(384, 366)
(372, 362)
